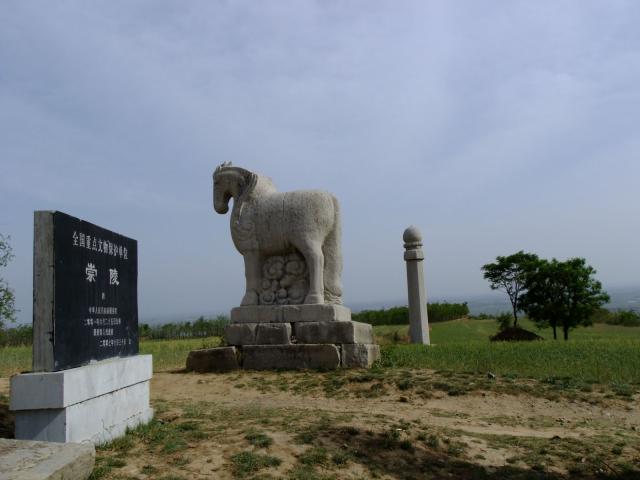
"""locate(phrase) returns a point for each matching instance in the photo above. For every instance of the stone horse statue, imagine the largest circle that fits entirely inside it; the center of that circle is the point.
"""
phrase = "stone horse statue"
(270, 228)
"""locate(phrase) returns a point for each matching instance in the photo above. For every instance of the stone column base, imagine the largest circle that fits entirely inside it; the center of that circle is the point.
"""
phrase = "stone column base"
(95, 403)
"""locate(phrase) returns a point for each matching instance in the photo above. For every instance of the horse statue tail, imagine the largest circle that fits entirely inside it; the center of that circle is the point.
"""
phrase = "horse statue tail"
(333, 259)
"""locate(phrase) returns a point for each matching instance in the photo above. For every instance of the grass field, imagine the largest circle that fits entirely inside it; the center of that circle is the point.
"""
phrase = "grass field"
(598, 354)
(550, 409)
(466, 330)
(167, 354)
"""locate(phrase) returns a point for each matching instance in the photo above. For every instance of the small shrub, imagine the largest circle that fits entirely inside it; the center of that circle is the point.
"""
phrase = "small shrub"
(314, 456)
(433, 441)
(340, 457)
(306, 437)
(258, 439)
(406, 445)
(504, 320)
(148, 470)
(245, 463)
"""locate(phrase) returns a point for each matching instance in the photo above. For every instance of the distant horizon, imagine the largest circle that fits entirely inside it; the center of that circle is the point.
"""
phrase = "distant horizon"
(488, 303)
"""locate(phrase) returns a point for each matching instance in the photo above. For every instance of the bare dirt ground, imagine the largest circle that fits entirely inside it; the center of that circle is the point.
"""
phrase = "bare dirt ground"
(387, 425)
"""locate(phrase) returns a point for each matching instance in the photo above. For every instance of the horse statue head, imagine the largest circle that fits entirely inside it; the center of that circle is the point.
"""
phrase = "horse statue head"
(230, 182)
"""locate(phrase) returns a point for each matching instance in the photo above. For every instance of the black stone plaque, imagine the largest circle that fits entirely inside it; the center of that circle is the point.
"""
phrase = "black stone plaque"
(95, 299)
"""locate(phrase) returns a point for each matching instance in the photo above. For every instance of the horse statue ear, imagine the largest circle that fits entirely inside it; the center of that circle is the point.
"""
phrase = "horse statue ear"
(223, 165)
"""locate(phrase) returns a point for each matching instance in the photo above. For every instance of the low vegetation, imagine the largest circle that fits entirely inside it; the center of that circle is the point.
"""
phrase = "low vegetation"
(202, 327)
(16, 336)
(625, 318)
(22, 335)
(7, 296)
(437, 312)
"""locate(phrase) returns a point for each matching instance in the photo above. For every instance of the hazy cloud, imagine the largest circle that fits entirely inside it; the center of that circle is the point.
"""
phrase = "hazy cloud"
(493, 126)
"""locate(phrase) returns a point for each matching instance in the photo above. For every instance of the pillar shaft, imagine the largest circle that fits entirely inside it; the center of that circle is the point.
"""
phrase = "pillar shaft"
(413, 255)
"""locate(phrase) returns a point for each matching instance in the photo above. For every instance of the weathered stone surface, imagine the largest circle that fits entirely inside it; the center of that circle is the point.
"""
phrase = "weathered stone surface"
(28, 460)
(273, 334)
(270, 228)
(96, 402)
(291, 357)
(240, 333)
(334, 332)
(290, 313)
(359, 355)
(220, 359)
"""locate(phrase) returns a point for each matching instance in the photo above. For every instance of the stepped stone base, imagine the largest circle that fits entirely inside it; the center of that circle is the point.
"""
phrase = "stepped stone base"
(295, 337)
(283, 357)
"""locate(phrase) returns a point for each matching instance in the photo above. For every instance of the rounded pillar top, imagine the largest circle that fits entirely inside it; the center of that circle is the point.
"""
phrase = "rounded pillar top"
(412, 236)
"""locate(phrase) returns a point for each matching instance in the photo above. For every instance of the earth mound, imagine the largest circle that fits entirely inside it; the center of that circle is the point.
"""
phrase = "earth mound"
(515, 334)
(7, 425)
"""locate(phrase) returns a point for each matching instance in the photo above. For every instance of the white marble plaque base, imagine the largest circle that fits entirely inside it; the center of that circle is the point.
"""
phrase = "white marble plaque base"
(96, 402)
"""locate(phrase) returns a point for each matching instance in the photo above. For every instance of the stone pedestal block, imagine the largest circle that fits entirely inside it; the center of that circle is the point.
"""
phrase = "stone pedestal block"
(27, 460)
(220, 359)
(273, 334)
(291, 357)
(334, 332)
(96, 402)
(290, 313)
(359, 355)
(240, 333)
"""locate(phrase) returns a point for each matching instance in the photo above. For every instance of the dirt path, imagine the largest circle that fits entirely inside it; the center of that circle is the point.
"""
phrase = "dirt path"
(488, 424)
(482, 412)
(359, 425)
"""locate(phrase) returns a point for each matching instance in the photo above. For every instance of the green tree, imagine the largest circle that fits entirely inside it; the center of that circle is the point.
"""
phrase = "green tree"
(562, 294)
(7, 298)
(144, 330)
(508, 275)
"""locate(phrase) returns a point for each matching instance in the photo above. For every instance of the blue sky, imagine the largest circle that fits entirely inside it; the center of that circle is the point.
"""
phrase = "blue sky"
(492, 126)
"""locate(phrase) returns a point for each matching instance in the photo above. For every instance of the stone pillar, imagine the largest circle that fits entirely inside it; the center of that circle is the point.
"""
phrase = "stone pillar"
(413, 255)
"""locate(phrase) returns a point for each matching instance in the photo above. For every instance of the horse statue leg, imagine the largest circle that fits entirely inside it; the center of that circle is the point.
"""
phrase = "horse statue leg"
(312, 253)
(252, 273)
(332, 252)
